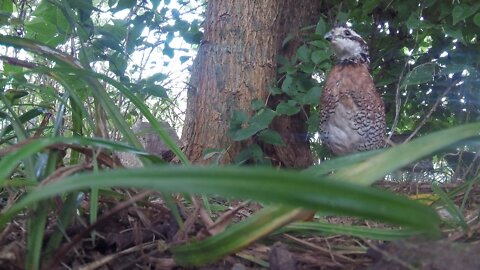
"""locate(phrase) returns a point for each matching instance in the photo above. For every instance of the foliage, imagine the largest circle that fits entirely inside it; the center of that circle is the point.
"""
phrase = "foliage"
(425, 69)
(71, 86)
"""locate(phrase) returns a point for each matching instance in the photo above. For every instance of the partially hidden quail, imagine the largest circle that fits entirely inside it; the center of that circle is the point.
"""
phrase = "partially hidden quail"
(352, 113)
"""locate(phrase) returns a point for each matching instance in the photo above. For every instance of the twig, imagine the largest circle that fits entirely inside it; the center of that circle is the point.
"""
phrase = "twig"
(78, 238)
(434, 107)
(318, 248)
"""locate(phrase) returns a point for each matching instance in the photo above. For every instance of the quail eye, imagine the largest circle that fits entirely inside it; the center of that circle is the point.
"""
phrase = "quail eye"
(347, 32)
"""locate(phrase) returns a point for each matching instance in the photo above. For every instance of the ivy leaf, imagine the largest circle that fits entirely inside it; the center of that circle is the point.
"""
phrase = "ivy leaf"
(462, 12)
(155, 90)
(454, 33)
(290, 107)
(476, 19)
(321, 27)
(270, 136)
(453, 68)
(168, 51)
(184, 58)
(239, 117)
(289, 37)
(457, 14)
(117, 64)
(312, 96)
(413, 22)
(155, 4)
(307, 68)
(257, 123)
(287, 84)
(257, 104)
(313, 123)
(303, 53)
(157, 77)
(319, 56)
(420, 74)
(110, 42)
(252, 152)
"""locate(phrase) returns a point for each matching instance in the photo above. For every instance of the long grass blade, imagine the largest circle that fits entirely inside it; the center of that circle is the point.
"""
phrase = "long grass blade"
(263, 184)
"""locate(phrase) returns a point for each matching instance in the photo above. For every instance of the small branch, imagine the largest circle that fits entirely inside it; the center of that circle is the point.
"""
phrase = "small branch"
(77, 239)
(17, 62)
(434, 107)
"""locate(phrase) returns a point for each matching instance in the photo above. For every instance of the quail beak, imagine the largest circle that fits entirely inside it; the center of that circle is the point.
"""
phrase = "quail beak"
(328, 36)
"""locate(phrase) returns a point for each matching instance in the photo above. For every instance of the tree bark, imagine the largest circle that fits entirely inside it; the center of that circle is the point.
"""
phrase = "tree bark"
(236, 63)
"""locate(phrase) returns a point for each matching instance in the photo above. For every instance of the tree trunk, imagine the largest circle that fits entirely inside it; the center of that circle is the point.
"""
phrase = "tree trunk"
(236, 63)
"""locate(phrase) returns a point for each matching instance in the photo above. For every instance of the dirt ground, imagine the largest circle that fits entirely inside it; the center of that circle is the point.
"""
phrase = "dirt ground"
(136, 235)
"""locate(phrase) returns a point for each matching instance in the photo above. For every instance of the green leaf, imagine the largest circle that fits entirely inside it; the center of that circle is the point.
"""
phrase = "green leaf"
(155, 90)
(239, 116)
(413, 22)
(450, 206)
(379, 165)
(289, 108)
(155, 4)
(476, 19)
(457, 14)
(319, 56)
(117, 64)
(461, 12)
(265, 184)
(313, 95)
(270, 136)
(155, 78)
(27, 116)
(6, 6)
(321, 27)
(10, 161)
(257, 104)
(90, 77)
(307, 67)
(289, 37)
(184, 58)
(258, 122)
(352, 230)
(237, 236)
(313, 123)
(6, 9)
(253, 153)
(168, 51)
(455, 33)
(12, 94)
(303, 53)
(287, 84)
(420, 74)
(111, 42)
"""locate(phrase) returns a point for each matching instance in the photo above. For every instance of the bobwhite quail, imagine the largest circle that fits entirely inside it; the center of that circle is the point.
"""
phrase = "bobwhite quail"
(352, 112)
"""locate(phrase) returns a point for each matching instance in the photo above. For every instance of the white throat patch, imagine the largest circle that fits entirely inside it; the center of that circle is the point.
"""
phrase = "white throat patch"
(347, 49)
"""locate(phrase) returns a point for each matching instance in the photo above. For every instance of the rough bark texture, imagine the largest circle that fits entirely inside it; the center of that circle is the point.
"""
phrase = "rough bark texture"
(236, 63)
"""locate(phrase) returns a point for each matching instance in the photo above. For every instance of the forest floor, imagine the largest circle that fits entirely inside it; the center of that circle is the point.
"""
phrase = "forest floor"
(135, 234)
